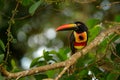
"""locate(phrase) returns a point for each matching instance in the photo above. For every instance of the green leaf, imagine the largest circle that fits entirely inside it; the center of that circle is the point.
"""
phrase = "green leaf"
(67, 50)
(46, 55)
(26, 2)
(95, 69)
(1, 77)
(94, 32)
(13, 64)
(34, 7)
(2, 46)
(114, 37)
(35, 61)
(70, 77)
(40, 76)
(80, 62)
(118, 49)
(1, 57)
(62, 54)
(83, 72)
(112, 76)
(52, 52)
(51, 73)
(41, 63)
(49, 55)
(2, 4)
(92, 22)
(102, 47)
(117, 18)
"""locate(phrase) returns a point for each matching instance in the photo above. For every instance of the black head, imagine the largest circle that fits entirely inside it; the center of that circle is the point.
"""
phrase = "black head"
(81, 27)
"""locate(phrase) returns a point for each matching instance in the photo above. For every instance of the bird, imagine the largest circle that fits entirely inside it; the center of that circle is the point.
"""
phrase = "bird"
(79, 36)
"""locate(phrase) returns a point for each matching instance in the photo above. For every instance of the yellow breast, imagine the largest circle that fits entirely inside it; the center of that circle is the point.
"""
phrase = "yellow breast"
(79, 47)
(83, 36)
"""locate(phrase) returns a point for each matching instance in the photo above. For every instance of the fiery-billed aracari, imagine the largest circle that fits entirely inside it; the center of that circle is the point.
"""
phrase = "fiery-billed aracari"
(78, 38)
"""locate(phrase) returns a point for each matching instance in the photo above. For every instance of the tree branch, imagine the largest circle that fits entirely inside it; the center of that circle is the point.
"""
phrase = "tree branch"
(9, 34)
(66, 64)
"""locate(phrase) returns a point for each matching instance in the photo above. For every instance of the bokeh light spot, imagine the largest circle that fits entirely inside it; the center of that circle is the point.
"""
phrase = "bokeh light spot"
(25, 62)
(50, 33)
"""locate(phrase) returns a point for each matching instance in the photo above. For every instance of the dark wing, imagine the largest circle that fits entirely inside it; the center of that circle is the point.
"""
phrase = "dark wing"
(72, 40)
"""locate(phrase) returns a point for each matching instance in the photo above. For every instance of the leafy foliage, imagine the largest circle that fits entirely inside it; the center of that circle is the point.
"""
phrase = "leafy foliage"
(49, 57)
(33, 8)
(2, 46)
(94, 31)
(2, 51)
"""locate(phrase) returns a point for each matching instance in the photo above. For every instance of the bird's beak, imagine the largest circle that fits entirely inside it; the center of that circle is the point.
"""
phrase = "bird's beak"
(66, 27)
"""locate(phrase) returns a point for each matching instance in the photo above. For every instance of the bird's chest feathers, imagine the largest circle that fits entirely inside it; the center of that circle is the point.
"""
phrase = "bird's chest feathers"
(80, 40)
(80, 37)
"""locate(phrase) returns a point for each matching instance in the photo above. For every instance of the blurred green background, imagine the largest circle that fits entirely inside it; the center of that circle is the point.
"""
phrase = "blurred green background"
(34, 24)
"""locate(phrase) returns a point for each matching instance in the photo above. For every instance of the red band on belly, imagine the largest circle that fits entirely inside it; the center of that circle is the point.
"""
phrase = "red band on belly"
(80, 44)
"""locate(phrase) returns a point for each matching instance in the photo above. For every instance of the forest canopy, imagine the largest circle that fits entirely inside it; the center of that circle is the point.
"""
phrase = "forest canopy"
(28, 39)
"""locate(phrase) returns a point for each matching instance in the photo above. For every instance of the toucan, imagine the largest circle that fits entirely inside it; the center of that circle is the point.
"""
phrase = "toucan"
(79, 35)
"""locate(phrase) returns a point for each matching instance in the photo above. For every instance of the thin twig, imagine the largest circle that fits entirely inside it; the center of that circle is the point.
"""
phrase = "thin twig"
(62, 72)
(9, 35)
